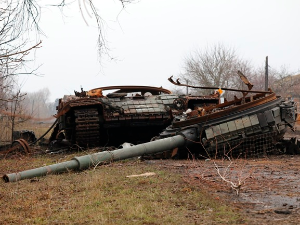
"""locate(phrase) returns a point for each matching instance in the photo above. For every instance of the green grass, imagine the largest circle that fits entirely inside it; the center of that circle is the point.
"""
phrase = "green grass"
(105, 196)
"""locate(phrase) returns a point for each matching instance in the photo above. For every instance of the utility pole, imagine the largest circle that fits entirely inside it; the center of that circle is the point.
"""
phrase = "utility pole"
(187, 88)
(266, 75)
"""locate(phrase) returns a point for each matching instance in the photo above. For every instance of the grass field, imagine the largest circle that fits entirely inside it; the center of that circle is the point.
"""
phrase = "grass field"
(38, 128)
(104, 195)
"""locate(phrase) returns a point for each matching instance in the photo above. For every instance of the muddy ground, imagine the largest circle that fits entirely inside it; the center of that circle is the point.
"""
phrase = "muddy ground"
(270, 185)
(270, 190)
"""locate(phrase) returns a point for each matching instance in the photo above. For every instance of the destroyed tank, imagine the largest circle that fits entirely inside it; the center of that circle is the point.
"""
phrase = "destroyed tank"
(242, 126)
(132, 114)
(256, 121)
(251, 125)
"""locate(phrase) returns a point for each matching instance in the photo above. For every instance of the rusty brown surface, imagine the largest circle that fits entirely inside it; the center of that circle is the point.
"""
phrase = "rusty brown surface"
(153, 90)
(234, 108)
(65, 107)
(245, 80)
(25, 147)
(18, 146)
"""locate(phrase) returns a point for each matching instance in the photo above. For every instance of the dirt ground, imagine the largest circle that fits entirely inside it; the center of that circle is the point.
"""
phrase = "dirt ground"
(270, 191)
(270, 186)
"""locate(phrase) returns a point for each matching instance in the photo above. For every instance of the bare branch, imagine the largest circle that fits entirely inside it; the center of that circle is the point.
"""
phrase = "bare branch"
(215, 66)
(225, 175)
(24, 52)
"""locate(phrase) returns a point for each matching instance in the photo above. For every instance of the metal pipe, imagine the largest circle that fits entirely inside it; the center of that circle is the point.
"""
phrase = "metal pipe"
(266, 75)
(86, 161)
(216, 88)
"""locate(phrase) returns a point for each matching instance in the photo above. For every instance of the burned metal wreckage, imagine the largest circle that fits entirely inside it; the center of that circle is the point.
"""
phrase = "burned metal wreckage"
(250, 125)
(137, 114)
(132, 114)
(21, 140)
(253, 125)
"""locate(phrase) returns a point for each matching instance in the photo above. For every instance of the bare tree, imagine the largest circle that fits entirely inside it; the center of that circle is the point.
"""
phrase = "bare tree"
(215, 66)
(24, 16)
(286, 83)
(37, 104)
(16, 111)
(17, 19)
(282, 81)
(13, 47)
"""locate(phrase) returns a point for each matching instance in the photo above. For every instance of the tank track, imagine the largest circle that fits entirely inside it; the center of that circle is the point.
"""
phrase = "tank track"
(87, 127)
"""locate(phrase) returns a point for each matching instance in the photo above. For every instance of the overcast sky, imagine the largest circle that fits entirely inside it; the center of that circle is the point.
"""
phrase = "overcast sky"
(150, 39)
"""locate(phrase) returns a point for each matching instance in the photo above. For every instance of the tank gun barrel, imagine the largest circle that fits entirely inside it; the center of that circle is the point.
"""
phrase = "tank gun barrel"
(87, 161)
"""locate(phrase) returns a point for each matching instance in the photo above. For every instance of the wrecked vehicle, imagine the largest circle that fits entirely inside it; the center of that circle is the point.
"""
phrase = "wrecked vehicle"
(132, 114)
(249, 126)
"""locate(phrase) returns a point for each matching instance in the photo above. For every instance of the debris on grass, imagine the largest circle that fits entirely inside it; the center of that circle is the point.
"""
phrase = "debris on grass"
(142, 175)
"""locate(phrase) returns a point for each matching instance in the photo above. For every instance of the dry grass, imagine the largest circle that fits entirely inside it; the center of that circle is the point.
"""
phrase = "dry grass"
(105, 196)
(5, 132)
(38, 128)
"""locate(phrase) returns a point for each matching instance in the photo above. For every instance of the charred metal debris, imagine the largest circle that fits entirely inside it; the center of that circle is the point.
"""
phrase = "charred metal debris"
(21, 141)
(132, 114)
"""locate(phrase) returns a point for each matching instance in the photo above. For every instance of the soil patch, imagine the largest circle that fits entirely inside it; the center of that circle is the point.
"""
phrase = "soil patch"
(270, 190)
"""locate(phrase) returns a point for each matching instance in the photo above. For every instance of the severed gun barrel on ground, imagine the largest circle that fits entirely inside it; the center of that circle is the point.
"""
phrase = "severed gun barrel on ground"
(87, 161)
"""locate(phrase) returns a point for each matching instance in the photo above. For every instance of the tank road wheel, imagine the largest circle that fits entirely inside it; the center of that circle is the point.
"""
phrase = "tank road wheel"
(19, 146)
